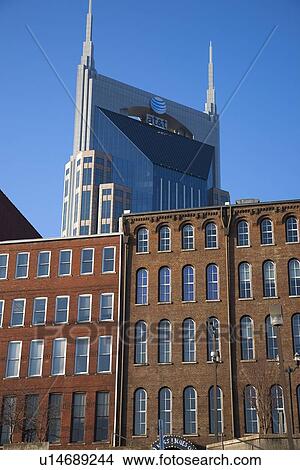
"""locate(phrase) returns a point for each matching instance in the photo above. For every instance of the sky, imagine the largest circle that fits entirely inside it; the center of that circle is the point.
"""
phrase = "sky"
(160, 46)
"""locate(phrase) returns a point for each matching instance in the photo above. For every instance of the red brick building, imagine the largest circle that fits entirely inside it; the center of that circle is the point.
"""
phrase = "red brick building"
(200, 286)
(59, 313)
(13, 225)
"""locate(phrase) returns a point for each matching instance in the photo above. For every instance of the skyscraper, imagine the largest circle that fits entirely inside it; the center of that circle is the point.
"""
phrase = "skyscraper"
(134, 150)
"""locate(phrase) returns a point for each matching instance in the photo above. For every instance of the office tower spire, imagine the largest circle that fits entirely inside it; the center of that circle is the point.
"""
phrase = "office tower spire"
(210, 105)
(88, 46)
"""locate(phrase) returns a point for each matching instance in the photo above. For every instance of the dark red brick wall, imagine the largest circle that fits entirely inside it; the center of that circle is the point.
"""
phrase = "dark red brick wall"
(51, 287)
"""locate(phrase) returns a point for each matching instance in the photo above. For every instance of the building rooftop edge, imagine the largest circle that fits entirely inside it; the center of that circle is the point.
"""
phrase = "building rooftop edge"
(205, 208)
(53, 239)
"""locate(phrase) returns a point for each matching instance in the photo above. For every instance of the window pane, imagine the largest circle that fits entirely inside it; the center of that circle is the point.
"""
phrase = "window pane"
(8, 419)
(250, 405)
(106, 308)
(104, 354)
(212, 410)
(165, 409)
(212, 282)
(188, 275)
(84, 308)
(243, 234)
(188, 237)
(294, 277)
(271, 337)
(102, 416)
(141, 343)
(278, 414)
(164, 239)
(54, 417)
(62, 309)
(189, 344)
(142, 240)
(3, 266)
(29, 433)
(142, 287)
(43, 264)
(13, 359)
(269, 279)
(266, 228)
(296, 332)
(87, 261)
(165, 285)
(292, 235)
(17, 313)
(59, 356)
(247, 339)
(108, 263)
(64, 263)
(245, 286)
(213, 338)
(36, 358)
(140, 412)
(190, 411)
(211, 240)
(1, 312)
(22, 265)
(164, 341)
(85, 205)
(78, 417)
(81, 356)
(39, 311)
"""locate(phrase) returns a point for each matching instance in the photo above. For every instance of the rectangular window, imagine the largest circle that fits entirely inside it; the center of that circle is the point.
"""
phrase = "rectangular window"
(2, 302)
(87, 176)
(82, 356)
(106, 209)
(39, 311)
(85, 205)
(62, 309)
(54, 417)
(8, 419)
(78, 417)
(108, 260)
(13, 359)
(77, 177)
(88, 160)
(104, 354)
(65, 262)
(22, 264)
(43, 269)
(101, 417)
(30, 423)
(106, 307)
(18, 312)
(105, 228)
(84, 230)
(87, 261)
(3, 266)
(76, 209)
(35, 364)
(84, 308)
(106, 192)
(64, 220)
(66, 187)
(59, 356)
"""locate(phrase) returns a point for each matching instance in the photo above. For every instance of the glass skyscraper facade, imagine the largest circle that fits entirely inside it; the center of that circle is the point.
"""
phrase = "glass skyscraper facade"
(135, 151)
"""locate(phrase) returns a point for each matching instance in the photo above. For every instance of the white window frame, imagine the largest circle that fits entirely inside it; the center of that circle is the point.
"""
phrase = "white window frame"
(2, 302)
(93, 261)
(33, 310)
(68, 309)
(59, 260)
(28, 261)
(114, 268)
(208, 235)
(41, 358)
(110, 355)
(11, 316)
(113, 302)
(87, 356)
(64, 357)
(38, 264)
(6, 267)
(78, 304)
(19, 360)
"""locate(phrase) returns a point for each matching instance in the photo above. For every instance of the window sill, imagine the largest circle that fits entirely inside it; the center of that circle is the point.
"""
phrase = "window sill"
(141, 365)
(243, 246)
(273, 297)
(211, 248)
(213, 300)
(189, 301)
(165, 251)
(273, 360)
(189, 362)
(86, 274)
(248, 360)
(142, 252)
(109, 272)
(141, 305)
(294, 296)
(164, 303)
(191, 435)
(292, 243)
(144, 436)
(188, 249)
(165, 363)
(246, 298)
(16, 326)
(42, 277)
(21, 278)
(268, 244)
(64, 275)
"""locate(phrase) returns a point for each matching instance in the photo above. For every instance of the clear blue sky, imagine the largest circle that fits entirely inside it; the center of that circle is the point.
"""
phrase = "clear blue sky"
(161, 46)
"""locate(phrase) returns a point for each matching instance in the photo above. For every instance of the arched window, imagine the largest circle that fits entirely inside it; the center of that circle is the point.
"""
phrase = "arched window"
(164, 342)
(211, 236)
(213, 337)
(212, 282)
(245, 281)
(278, 415)
(164, 284)
(247, 338)
(140, 412)
(266, 232)
(243, 233)
(269, 275)
(142, 287)
(165, 409)
(189, 343)
(142, 245)
(271, 340)
(190, 410)
(296, 332)
(188, 284)
(212, 410)
(291, 230)
(140, 343)
(250, 407)
(164, 238)
(294, 276)
(188, 242)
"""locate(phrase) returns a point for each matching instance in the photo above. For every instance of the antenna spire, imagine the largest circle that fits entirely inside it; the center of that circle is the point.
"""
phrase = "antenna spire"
(87, 58)
(210, 105)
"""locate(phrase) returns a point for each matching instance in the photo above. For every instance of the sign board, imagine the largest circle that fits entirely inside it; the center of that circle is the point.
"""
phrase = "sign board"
(174, 442)
(156, 121)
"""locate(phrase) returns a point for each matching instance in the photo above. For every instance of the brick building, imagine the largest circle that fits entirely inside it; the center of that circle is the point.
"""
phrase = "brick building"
(200, 286)
(13, 225)
(59, 309)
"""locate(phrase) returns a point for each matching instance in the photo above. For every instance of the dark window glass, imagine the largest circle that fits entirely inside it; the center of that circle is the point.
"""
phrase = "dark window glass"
(247, 339)
(54, 417)
(164, 341)
(140, 343)
(271, 339)
(189, 341)
(102, 416)
(278, 414)
(29, 433)
(140, 412)
(250, 407)
(8, 419)
(190, 410)
(87, 176)
(85, 205)
(78, 417)
(165, 409)
(212, 410)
